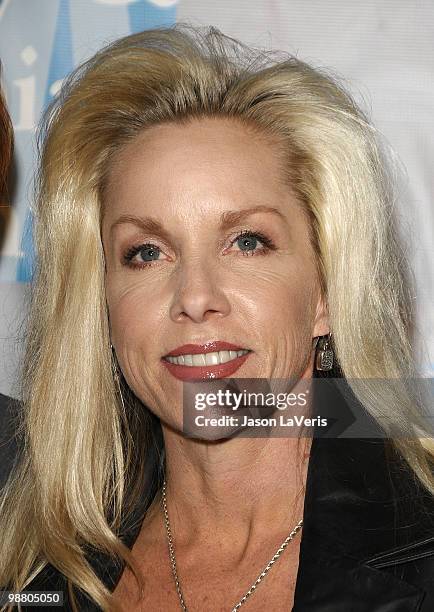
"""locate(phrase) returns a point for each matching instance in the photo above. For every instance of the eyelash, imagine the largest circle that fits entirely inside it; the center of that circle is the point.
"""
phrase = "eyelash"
(268, 246)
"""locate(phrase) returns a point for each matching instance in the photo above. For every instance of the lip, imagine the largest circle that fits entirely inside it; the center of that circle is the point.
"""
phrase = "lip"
(209, 347)
(222, 370)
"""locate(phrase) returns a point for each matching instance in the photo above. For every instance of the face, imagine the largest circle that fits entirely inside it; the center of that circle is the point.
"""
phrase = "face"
(206, 245)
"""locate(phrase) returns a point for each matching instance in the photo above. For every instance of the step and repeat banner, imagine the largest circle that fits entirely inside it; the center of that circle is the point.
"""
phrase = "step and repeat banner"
(383, 51)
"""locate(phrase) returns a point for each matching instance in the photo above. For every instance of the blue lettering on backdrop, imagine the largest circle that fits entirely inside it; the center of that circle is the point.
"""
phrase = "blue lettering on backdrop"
(40, 43)
(61, 64)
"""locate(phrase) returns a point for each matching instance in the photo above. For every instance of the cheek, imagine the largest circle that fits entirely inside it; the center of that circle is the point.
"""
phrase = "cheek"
(134, 314)
(281, 296)
(136, 325)
(282, 309)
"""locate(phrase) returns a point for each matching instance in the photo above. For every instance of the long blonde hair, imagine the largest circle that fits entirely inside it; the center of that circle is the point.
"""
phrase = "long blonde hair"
(83, 447)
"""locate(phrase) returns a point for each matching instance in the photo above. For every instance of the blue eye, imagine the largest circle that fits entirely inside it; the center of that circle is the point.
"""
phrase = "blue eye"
(149, 252)
(247, 243)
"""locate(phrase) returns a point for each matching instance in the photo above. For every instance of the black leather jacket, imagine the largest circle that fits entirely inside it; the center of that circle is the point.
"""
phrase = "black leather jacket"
(367, 543)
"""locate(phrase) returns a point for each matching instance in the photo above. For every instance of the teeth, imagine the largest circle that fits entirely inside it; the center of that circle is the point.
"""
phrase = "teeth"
(212, 358)
(198, 360)
(206, 358)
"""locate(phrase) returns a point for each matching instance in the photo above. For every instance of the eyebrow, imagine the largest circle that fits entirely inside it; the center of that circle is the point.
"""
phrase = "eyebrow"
(227, 220)
(147, 224)
(230, 218)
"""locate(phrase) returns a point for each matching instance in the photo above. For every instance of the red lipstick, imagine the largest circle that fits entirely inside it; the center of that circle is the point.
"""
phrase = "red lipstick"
(208, 347)
(222, 370)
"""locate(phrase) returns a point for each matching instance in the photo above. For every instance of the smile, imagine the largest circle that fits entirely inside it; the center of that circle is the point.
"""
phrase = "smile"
(214, 359)
(206, 359)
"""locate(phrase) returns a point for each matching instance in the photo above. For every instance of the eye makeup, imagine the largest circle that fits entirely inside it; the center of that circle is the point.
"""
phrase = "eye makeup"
(246, 235)
(254, 236)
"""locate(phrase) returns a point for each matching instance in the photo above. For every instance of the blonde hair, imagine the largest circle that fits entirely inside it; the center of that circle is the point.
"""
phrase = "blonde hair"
(82, 451)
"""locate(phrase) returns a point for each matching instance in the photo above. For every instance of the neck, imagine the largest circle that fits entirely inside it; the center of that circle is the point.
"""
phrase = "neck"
(234, 491)
(236, 483)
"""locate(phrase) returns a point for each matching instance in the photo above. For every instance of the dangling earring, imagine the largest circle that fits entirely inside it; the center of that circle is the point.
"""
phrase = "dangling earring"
(325, 355)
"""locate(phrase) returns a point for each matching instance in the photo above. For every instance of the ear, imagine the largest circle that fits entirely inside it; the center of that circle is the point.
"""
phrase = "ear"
(321, 322)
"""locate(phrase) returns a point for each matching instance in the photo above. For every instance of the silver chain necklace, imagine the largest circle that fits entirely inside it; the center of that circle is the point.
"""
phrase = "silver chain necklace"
(254, 585)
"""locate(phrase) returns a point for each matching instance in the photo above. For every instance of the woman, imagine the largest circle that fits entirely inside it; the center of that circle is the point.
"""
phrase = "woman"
(207, 211)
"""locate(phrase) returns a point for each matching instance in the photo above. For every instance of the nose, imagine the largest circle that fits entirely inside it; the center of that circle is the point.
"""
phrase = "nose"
(199, 293)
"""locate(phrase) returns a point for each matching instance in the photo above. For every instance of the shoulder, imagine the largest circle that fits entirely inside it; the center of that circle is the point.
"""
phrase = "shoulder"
(9, 412)
(412, 559)
(368, 518)
(408, 557)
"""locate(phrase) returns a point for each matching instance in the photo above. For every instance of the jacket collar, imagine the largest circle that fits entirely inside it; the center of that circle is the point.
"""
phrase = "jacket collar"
(359, 499)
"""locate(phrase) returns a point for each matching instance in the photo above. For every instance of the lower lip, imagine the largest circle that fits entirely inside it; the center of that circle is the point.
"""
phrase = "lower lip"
(223, 370)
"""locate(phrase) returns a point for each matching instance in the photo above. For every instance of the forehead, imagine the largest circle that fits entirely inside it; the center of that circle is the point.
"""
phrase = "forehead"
(200, 166)
(211, 137)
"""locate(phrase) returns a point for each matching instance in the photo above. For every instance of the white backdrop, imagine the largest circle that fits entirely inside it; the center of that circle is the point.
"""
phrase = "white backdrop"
(383, 49)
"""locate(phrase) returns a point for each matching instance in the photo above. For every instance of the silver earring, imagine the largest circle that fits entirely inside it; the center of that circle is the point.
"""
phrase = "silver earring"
(325, 354)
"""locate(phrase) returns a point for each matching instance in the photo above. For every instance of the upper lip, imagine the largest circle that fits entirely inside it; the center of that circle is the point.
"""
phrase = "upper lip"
(209, 347)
